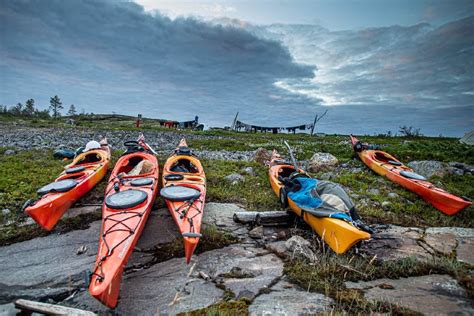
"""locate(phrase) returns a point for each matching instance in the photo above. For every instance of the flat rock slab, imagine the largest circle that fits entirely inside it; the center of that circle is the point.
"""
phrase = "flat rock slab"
(287, 299)
(47, 266)
(430, 294)
(447, 240)
(153, 291)
(390, 242)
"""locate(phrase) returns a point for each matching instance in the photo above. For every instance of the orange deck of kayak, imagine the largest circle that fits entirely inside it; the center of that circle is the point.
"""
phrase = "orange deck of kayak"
(377, 160)
(49, 209)
(121, 229)
(195, 180)
(337, 234)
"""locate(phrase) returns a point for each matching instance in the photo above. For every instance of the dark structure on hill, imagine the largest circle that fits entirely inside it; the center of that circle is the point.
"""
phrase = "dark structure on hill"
(239, 126)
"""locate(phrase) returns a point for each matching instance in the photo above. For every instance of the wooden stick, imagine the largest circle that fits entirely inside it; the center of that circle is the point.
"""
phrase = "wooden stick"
(49, 309)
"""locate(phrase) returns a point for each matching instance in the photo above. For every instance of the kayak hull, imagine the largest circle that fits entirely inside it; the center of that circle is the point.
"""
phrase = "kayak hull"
(339, 235)
(121, 228)
(377, 160)
(49, 209)
(195, 210)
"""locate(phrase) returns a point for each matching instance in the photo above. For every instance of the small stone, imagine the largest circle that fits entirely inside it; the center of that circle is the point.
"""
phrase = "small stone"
(386, 205)
(249, 171)
(355, 196)
(373, 191)
(9, 152)
(234, 178)
(327, 176)
(278, 248)
(6, 212)
(356, 170)
(393, 195)
(82, 249)
(281, 234)
(455, 171)
(256, 233)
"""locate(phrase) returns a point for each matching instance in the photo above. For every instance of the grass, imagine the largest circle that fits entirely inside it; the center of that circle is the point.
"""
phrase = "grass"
(329, 274)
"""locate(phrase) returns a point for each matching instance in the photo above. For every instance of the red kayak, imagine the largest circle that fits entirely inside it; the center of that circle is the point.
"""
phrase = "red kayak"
(129, 198)
(388, 166)
(184, 191)
(78, 178)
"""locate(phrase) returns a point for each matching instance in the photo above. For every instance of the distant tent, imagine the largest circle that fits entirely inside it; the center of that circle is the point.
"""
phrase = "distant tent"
(468, 138)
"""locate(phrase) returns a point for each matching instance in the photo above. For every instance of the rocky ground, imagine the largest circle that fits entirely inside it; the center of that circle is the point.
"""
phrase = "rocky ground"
(410, 267)
(27, 138)
(252, 269)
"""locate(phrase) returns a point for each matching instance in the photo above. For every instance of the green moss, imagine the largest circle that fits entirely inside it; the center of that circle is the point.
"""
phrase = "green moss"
(224, 308)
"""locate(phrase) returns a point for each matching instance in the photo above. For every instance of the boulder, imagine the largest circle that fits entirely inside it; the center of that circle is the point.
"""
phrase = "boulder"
(429, 168)
(321, 161)
(300, 248)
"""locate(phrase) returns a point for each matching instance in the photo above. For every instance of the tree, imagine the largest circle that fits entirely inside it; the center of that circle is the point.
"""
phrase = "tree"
(16, 109)
(55, 105)
(72, 110)
(410, 131)
(29, 109)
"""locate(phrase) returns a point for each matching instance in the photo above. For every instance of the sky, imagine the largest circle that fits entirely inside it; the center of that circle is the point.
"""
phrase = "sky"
(374, 65)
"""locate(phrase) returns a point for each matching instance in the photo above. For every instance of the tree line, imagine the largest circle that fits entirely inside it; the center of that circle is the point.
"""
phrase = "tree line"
(29, 110)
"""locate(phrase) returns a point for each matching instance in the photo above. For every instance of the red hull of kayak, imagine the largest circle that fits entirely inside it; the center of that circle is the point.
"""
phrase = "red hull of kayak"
(121, 228)
(377, 160)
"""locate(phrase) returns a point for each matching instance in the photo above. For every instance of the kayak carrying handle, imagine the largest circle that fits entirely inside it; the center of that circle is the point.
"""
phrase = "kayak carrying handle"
(192, 235)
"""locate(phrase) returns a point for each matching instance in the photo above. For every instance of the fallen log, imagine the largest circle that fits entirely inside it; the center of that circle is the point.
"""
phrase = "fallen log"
(28, 307)
(271, 218)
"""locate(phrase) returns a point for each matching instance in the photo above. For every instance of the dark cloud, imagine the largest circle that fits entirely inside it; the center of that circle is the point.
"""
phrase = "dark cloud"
(107, 55)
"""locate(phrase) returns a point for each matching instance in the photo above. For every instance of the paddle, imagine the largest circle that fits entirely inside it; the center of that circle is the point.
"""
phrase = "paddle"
(293, 160)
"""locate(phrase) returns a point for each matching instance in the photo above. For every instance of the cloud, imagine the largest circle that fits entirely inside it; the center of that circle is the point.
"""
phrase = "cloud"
(416, 66)
(107, 55)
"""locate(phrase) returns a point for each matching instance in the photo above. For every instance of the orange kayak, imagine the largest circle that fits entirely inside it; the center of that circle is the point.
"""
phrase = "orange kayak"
(78, 178)
(184, 191)
(388, 166)
(338, 234)
(129, 198)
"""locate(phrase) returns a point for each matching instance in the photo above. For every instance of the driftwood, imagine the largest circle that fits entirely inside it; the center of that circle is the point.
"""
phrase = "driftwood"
(273, 218)
(28, 307)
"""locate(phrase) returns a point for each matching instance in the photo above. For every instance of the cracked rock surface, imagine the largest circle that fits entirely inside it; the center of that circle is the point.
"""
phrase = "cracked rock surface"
(430, 294)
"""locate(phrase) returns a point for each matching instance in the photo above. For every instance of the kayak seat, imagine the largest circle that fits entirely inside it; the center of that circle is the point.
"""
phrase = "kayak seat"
(125, 199)
(180, 193)
(75, 169)
(141, 182)
(174, 177)
(58, 186)
(395, 163)
(412, 175)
